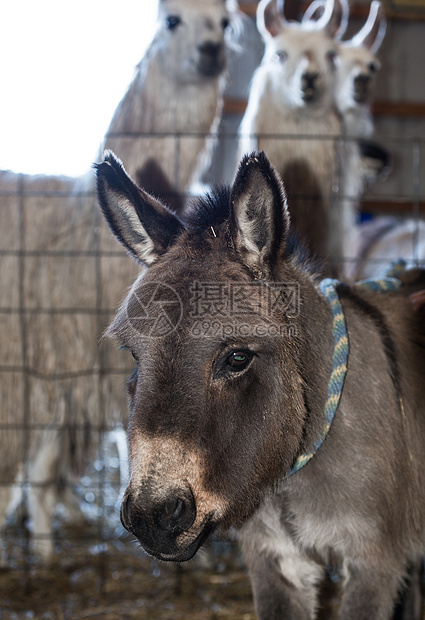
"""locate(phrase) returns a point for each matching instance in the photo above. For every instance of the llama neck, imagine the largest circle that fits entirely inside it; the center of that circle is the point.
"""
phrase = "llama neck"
(154, 103)
(357, 121)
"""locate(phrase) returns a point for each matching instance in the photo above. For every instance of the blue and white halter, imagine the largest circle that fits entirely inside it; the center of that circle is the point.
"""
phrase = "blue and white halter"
(328, 288)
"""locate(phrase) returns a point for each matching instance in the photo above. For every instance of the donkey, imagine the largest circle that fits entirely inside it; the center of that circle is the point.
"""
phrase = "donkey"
(264, 399)
(164, 123)
(291, 115)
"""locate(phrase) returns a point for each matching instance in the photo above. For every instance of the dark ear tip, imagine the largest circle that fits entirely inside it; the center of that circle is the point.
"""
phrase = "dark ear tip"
(109, 166)
(255, 159)
(109, 156)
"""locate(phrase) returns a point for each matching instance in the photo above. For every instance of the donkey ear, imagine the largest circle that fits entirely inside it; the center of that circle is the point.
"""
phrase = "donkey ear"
(259, 218)
(269, 22)
(140, 222)
(373, 32)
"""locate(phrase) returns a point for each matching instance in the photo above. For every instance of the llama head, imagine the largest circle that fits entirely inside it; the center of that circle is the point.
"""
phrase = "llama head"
(192, 36)
(300, 57)
(357, 64)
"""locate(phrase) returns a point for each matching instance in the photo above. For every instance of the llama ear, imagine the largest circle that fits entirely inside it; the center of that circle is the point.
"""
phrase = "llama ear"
(330, 18)
(139, 221)
(269, 22)
(338, 22)
(373, 32)
(259, 218)
(314, 11)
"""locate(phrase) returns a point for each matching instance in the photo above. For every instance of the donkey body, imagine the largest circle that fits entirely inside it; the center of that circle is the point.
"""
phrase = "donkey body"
(173, 105)
(224, 406)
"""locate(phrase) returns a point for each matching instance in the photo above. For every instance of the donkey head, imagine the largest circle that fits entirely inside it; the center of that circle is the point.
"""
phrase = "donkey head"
(216, 401)
(191, 37)
(357, 64)
(301, 56)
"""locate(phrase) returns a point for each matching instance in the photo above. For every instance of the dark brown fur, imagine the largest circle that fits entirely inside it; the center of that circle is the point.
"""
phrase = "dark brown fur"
(218, 417)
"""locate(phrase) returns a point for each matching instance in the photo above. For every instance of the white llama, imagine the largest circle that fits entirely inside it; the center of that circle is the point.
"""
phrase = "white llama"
(356, 69)
(291, 116)
(383, 240)
(162, 127)
(69, 277)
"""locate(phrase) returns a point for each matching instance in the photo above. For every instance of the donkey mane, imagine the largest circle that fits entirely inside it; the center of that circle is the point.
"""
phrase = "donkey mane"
(209, 210)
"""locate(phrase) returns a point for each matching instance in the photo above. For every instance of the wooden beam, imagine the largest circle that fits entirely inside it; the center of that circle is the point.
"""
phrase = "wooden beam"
(396, 109)
(399, 109)
(405, 208)
(357, 10)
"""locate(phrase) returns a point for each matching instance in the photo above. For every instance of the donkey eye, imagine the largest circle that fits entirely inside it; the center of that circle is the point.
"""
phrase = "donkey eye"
(225, 23)
(125, 348)
(239, 360)
(280, 56)
(172, 21)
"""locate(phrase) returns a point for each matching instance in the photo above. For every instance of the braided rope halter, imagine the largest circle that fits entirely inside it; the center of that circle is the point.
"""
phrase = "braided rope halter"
(328, 288)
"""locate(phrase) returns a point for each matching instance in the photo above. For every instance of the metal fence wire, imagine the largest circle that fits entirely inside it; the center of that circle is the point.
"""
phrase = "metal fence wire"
(63, 551)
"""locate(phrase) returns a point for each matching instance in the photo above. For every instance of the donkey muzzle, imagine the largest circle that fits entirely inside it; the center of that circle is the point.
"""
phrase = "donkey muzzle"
(162, 527)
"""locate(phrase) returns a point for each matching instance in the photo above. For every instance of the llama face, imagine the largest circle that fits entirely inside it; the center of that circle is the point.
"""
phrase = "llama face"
(355, 76)
(191, 37)
(357, 64)
(302, 66)
(300, 57)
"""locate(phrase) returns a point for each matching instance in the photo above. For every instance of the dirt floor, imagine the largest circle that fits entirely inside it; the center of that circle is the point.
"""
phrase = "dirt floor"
(115, 580)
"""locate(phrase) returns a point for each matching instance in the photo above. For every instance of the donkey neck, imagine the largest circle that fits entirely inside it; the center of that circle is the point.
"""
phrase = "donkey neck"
(330, 290)
(316, 351)
(335, 384)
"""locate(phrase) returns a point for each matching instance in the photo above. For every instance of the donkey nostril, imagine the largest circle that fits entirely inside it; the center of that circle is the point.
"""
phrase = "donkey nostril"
(176, 515)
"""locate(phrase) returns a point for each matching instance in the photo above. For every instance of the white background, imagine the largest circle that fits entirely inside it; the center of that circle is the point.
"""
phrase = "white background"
(64, 66)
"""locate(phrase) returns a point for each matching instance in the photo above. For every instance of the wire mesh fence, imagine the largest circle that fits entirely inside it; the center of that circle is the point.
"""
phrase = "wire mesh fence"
(64, 553)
